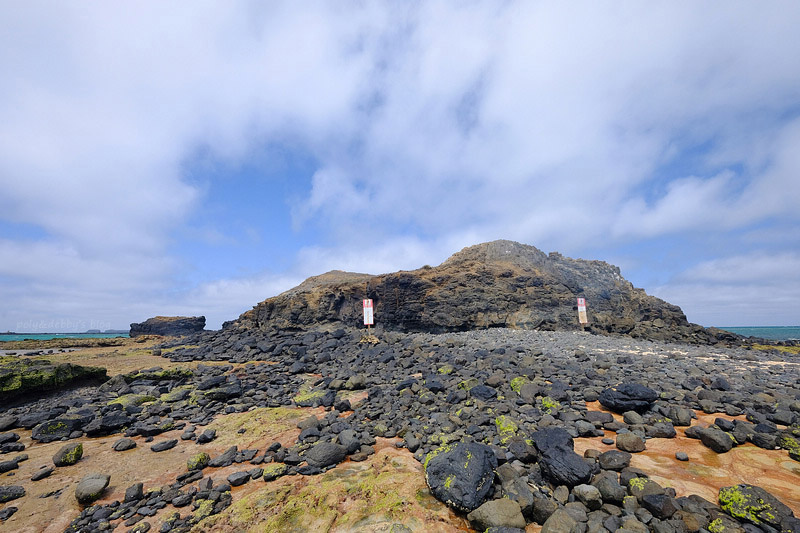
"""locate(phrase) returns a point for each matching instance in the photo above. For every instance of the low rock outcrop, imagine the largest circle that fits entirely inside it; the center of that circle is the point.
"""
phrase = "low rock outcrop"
(169, 326)
(495, 284)
(20, 377)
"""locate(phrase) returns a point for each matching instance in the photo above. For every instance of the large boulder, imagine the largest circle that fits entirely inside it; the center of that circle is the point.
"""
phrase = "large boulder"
(628, 397)
(68, 455)
(170, 326)
(461, 474)
(91, 487)
(559, 462)
(716, 439)
(11, 492)
(326, 454)
(497, 513)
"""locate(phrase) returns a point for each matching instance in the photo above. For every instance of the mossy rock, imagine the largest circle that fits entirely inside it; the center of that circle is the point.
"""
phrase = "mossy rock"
(273, 471)
(506, 428)
(753, 504)
(24, 376)
(68, 455)
(205, 508)
(177, 394)
(468, 384)
(198, 461)
(548, 405)
(445, 370)
(518, 382)
(310, 397)
(170, 374)
(128, 400)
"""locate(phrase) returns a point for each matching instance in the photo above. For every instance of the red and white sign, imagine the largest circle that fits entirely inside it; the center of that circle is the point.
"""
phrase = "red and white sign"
(368, 320)
(582, 311)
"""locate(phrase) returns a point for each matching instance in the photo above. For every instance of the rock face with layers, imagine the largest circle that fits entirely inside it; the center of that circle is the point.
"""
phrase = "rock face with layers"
(496, 284)
(169, 326)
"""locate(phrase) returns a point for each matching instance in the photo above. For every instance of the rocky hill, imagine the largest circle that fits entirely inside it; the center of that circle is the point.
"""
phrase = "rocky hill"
(169, 326)
(495, 284)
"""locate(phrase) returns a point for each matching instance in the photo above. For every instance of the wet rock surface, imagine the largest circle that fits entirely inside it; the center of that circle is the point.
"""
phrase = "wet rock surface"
(496, 412)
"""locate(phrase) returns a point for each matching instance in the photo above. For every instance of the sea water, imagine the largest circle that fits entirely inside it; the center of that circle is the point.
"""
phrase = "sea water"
(48, 336)
(774, 333)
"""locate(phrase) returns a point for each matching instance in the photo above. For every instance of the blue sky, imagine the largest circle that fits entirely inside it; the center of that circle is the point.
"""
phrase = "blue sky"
(197, 158)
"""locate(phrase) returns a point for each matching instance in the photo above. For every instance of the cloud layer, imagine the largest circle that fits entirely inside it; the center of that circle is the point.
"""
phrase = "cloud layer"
(660, 137)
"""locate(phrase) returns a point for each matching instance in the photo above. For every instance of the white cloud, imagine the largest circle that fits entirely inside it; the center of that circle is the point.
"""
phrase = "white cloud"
(781, 269)
(752, 289)
(434, 126)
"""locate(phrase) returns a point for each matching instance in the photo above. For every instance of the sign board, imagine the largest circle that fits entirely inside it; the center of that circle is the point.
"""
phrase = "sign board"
(582, 311)
(368, 320)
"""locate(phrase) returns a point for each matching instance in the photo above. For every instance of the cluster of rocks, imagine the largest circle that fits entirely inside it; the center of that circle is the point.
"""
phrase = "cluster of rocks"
(490, 414)
(595, 493)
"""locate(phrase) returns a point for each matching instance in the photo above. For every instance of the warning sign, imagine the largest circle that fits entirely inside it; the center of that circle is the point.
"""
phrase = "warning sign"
(368, 320)
(582, 311)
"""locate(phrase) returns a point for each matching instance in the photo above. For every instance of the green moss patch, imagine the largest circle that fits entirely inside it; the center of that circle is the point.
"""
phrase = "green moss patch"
(198, 461)
(160, 375)
(506, 428)
(518, 382)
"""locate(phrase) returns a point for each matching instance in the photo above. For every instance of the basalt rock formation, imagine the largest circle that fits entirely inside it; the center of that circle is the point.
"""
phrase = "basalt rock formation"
(496, 284)
(169, 326)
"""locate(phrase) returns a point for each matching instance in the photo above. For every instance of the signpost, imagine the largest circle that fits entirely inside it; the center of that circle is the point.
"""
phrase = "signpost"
(368, 319)
(582, 311)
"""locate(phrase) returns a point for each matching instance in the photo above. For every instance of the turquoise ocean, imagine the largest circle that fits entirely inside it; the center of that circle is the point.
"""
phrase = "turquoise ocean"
(47, 336)
(773, 333)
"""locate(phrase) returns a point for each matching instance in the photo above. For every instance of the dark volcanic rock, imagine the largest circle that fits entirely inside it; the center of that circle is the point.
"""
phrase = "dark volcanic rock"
(56, 429)
(716, 439)
(7, 422)
(563, 466)
(69, 454)
(123, 444)
(628, 397)
(614, 460)
(107, 424)
(559, 462)
(164, 445)
(11, 492)
(91, 487)
(326, 454)
(461, 475)
(170, 326)
(502, 513)
(630, 442)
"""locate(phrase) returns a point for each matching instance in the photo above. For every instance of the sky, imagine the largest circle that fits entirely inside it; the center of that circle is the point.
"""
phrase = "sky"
(196, 158)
